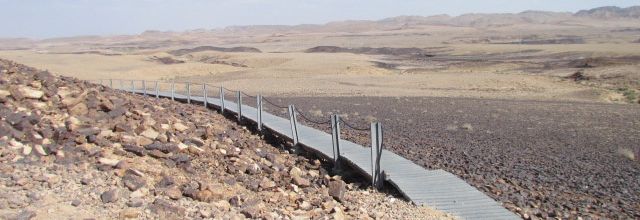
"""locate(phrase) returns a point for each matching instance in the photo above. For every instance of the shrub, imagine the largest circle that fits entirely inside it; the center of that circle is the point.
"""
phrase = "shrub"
(628, 93)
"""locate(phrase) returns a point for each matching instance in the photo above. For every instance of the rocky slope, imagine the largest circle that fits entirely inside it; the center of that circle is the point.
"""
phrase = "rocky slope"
(71, 149)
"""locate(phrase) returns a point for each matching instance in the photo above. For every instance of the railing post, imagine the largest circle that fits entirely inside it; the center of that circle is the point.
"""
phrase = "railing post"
(376, 152)
(188, 92)
(133, 87)
(111, 83)
(294, 124)
(157, 90)
(204, 94)
(239, 95)
(221, 100)
(335, 135)
(259, 116)
(173, 90)
(144, 87)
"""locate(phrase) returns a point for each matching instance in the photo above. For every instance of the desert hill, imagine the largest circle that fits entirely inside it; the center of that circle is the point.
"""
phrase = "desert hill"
(465, 20)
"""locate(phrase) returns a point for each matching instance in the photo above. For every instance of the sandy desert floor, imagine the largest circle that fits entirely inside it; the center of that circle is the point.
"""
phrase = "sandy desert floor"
(339, 74)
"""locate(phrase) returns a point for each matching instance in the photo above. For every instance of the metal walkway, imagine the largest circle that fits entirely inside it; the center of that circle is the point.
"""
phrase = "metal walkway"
(435, 188)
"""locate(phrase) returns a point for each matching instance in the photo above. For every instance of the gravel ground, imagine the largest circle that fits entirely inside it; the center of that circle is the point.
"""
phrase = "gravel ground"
(541, 159)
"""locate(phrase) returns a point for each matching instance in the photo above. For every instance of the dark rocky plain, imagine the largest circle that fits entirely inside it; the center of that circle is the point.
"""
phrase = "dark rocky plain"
(542, 160)
(70, 149)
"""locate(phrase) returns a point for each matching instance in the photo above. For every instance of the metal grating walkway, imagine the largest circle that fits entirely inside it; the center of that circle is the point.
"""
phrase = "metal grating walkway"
(435, 188)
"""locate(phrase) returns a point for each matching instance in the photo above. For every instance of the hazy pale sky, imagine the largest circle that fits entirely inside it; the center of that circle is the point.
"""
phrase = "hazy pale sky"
(57, 18)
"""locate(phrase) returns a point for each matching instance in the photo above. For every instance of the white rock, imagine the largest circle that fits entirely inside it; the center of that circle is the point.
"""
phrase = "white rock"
(26, 150)
(105, 133)
(37, 136)
(150, 133)
(295, 188)
(4, 93)
(305, 206)
(29, 92)
(195, 149)
(314, 173)
(295, 171)
(36, 84)
(73, 121)
(108, 161)
(137, 172)
(139, 193)
(63, 92)
(128, 139)
(149, 121)
(180, 127)
(39, 105)
(254, 168)
(15, 144)
(40, 150)
(182, 146)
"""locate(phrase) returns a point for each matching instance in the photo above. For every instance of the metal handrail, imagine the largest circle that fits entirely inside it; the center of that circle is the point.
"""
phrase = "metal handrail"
(311, 120)
(334, 121)
(271, 103)
(353, 126)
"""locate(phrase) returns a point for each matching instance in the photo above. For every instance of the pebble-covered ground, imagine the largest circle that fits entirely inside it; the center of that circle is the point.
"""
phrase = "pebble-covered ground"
(74, 150)
(541, 159)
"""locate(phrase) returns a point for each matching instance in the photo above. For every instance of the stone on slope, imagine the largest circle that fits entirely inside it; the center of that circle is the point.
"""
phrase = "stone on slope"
(108, 161)
(109, 196)
(180, 127)
(150, 133)
(337, 189)
(133, 180)
(23, 91)
(166, 210)
(300, 181)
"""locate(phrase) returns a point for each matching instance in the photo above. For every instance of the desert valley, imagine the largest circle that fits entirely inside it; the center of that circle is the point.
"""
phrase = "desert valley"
(538, 110)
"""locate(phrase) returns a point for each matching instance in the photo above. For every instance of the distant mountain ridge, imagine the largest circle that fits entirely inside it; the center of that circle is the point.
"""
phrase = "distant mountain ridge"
(473, 20)
(611, 12)
(480, 20)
